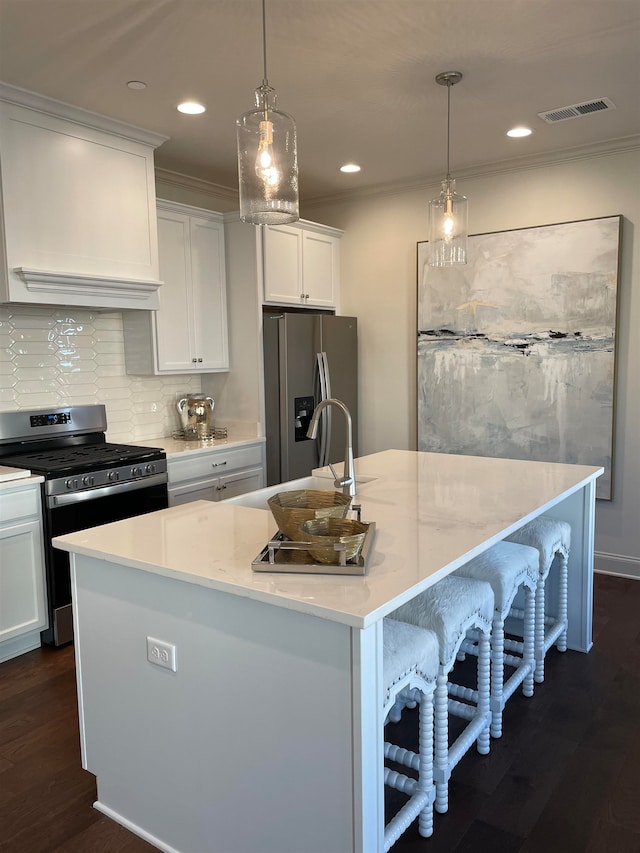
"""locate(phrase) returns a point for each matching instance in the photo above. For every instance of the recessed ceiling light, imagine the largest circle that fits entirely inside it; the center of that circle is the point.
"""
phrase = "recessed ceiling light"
(136, 84)
(191, 108)
(350, 167)
(517, 132)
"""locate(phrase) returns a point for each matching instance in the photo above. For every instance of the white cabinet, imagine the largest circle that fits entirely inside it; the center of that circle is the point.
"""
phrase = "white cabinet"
(23, 611)
(301, 265)
(215, 474)
(77, 206)
(188, 333)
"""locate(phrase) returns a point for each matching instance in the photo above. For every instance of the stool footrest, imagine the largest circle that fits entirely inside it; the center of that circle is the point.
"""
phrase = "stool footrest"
(460, 692)
(405, 817)
(460, 709)
(401, 756)
(463, 742)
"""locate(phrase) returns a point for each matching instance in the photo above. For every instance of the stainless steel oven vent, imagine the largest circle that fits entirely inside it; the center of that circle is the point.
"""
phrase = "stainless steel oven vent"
(577, 110)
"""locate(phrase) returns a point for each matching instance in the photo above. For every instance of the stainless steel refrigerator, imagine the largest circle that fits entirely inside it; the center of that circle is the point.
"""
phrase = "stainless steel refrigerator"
(307, 357)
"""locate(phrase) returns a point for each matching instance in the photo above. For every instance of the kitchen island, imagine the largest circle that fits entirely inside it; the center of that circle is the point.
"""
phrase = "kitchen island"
(263, 733)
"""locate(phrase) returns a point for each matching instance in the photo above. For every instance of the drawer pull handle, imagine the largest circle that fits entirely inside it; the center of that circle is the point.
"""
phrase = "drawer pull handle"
(218, 464)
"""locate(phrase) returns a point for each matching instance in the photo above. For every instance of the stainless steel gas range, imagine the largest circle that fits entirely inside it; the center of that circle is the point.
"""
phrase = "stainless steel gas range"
(88, 482)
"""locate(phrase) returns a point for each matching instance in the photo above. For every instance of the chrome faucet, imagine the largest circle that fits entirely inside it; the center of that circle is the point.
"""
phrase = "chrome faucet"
(348, 480)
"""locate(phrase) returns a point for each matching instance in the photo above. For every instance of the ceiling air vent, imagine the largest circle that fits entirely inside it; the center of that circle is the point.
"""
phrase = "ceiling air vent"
(577, 110)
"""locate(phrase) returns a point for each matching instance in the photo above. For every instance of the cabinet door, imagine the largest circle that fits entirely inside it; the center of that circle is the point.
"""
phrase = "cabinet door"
(209, 294)
(203, 490)
(22, 593)
(240, 482)
(174, 319)
(319, 269)
(282, 252)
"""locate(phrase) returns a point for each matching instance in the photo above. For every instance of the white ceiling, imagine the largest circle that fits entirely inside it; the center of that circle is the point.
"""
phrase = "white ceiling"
(357, 75)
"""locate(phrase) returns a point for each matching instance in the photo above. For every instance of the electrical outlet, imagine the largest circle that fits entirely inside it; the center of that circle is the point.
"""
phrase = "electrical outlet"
(162, 654)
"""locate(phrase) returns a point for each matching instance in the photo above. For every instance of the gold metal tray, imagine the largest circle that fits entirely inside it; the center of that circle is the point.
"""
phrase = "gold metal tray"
(282, 554)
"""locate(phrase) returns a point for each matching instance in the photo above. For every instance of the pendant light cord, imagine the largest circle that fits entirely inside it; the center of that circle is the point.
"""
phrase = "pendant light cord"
(265, 81)
(448, 125)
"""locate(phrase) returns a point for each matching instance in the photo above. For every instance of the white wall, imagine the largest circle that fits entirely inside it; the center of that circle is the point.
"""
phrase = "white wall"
(378, 267)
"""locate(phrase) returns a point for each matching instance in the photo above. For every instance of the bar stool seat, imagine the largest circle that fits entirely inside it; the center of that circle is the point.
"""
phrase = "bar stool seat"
(508, 567)
(552, 539)
(410, 668)
(450, 608)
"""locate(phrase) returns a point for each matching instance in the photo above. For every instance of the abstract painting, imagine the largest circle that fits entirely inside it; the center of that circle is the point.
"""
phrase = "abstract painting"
(516, 349)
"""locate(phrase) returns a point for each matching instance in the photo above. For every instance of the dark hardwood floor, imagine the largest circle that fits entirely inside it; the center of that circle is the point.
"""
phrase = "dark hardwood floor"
(564, 778)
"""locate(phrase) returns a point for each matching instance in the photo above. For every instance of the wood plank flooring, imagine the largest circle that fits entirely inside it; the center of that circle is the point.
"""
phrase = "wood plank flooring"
(564, 778)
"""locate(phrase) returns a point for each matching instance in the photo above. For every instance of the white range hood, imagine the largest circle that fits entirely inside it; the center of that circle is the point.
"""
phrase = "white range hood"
(78, 206)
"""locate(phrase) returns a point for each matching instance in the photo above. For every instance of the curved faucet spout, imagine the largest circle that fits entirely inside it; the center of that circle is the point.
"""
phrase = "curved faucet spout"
(348, 480)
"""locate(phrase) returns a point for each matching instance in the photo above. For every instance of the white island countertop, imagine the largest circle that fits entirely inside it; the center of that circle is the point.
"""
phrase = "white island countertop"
(433, 512)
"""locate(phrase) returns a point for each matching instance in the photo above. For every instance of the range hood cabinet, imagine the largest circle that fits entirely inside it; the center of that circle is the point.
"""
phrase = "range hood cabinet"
(77, 206)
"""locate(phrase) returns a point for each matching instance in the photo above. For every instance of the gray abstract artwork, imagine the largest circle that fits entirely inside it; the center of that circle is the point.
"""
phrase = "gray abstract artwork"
(516, 349)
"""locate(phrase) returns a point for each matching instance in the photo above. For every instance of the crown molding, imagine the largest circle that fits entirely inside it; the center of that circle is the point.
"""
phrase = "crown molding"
(484, 170)
(177, 179)
(59, 109)
(502, 167)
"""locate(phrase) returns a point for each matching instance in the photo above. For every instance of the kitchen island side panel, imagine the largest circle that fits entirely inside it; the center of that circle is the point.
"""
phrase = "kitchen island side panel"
(247, 747)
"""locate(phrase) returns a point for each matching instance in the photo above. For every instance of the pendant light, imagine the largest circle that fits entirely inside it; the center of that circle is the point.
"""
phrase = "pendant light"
(267, 157)
(448, 213)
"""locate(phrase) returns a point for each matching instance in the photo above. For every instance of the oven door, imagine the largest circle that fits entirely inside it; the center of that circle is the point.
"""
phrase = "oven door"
(113, 504)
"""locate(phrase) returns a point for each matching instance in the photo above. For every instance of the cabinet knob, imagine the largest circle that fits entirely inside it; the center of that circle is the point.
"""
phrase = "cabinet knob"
(194, 360)
(199, 359)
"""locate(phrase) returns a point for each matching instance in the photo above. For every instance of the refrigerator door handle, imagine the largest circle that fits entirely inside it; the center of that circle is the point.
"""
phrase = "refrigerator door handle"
(325, 415)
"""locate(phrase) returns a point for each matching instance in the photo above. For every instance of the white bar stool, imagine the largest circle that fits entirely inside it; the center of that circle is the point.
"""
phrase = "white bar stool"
(410, 667)
(552, 539)
(508, 567)
(450, 608)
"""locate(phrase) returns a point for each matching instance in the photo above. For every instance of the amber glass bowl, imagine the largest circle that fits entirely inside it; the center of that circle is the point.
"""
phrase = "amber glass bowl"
(291, 509)
(324, 533)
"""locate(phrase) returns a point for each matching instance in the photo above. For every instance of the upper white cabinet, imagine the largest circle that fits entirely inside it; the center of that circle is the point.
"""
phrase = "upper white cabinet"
(188, 332)
(301, 264)
(78, 204)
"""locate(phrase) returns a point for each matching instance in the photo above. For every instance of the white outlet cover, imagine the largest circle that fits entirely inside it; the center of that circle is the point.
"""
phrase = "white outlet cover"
(162, 654)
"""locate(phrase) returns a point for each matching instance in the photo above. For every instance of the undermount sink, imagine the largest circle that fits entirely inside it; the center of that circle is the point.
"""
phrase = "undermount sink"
(258, 500)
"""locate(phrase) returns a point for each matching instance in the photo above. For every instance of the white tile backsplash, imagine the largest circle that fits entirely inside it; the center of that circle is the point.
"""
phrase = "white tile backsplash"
(52, 356)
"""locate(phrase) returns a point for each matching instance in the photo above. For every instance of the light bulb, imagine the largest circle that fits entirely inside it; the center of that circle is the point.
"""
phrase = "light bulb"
(266, 168)
(448, 223)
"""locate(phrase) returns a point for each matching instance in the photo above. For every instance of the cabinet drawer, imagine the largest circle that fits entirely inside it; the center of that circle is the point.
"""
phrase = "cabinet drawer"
(19, 503)
(214, 463)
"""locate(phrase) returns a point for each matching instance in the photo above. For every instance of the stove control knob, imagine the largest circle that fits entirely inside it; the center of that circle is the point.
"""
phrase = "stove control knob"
(114, 476)
(71, 484)
(136, 471)
(150, 469)
(88, 481)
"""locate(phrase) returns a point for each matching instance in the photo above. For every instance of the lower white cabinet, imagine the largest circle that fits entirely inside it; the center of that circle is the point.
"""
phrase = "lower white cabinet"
(23, 612)
(216, 474)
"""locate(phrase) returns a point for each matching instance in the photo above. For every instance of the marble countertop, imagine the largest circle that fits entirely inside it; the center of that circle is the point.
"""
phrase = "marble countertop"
(433, 512)
(20, 482)
(176, 447)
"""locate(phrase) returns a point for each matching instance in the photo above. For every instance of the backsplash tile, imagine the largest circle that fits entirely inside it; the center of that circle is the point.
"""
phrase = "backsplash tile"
(52, 356)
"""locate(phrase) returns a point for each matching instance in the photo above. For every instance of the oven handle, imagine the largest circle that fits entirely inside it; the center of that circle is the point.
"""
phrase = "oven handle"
(54, 501)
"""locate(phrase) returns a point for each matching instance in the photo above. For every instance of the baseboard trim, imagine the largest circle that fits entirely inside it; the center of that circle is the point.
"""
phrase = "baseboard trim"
(615, 564)
(133, 827)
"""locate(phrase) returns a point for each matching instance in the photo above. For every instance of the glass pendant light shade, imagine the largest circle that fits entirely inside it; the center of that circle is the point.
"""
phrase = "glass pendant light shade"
(448, 227)
(267, 163)
(448, 213)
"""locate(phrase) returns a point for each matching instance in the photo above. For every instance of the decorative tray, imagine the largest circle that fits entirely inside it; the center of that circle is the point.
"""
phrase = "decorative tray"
(282, 554)
(201, 435)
